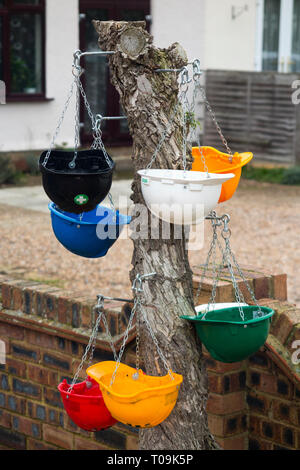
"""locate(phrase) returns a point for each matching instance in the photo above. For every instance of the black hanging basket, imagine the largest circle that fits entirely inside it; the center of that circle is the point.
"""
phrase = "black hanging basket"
(80, 189)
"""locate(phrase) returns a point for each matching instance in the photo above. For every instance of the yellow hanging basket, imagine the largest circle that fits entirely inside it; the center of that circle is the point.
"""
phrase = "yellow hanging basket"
(218, 162)
(144, 402)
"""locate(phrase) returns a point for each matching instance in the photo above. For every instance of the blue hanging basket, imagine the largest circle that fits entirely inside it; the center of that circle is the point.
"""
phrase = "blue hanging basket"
(90, 234)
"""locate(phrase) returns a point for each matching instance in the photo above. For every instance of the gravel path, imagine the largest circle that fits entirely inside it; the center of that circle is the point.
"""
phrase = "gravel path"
(265, 223)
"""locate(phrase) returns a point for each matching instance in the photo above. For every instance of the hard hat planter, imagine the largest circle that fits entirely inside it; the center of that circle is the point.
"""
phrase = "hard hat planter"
(83, 401)
(131, 396)
(230, 339)
(221, 163)
(78, 189)
(77, 181)
(143, 402)
(90, 234)
(231, 332)
(176, 196)
(218, 306)
(85, 405)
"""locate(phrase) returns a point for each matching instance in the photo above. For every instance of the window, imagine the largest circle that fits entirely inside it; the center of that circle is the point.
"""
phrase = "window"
(278, 41)
(22, 58)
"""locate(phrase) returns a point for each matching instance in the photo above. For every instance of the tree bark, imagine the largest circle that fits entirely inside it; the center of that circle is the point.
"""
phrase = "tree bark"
(148, 100)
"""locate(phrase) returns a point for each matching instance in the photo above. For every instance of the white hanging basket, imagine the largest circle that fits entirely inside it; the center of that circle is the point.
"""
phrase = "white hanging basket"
(202, 308)
(181, 197)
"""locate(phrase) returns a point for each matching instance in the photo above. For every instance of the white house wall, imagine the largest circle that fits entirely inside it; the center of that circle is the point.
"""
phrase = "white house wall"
(180, 21)
(206, 30)
(230, 44)
(29, 126)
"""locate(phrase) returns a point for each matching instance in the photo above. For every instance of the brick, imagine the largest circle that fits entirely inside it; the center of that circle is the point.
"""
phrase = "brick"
(262, 287)
(255, 444)
(2, 400)
(15, 367)
(4, 382)
(57, 436)
(26, 388)
(86, 310)
(32, 444)
(235, 424)
(17, 299)
(258, 404)
(40, 306)
(58, 362)
(284, 412)
(233, 443)
(284, 388)
(12, 439)
(27, 353)
(43, 340)
(5, 419)
(260, 360)
(267, 384)
(27, 426)
(284, 323)
(270, 430)
(288, 436)
(85, 444)
(112, 438)
(220, 367)
(16, 404)
(52, 397)
(226, 404)
(280, 287)
(11, 331)
(216, 425)
(6, 295)
(41, 375)
(216, 383)
(37, 411)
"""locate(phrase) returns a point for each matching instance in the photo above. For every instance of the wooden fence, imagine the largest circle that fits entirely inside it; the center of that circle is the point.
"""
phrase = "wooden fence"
(256, 113)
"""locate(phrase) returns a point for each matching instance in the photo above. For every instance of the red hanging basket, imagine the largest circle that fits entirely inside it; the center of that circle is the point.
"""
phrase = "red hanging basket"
(85, 406)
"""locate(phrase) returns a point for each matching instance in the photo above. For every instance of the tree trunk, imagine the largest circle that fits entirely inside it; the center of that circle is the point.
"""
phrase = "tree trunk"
(148, 100)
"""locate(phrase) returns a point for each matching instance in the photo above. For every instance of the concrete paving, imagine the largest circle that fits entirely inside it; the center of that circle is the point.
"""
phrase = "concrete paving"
(35, 198)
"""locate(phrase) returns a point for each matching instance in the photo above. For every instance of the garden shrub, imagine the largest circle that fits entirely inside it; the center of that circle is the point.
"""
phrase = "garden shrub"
(8, 172)
(291, 176)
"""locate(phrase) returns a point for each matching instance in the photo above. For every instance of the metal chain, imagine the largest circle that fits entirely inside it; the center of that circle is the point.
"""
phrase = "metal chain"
(72, 164)
(60, 121)
(154, 339)
(91, 344)
(214, 119)
(137, 349)
(129, 326)
(104, 320)
(215, 225)
(164, 136)
(96, 126)
(243, 277)
(196, 80)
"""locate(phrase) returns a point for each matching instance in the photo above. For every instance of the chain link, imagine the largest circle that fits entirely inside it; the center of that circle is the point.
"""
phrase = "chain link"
(91, 344)
(214, 119)
(60, 121)
(98, 143)
(228, 261)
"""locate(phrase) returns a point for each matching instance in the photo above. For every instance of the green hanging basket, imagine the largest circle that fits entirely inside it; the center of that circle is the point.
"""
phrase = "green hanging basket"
(227, 337)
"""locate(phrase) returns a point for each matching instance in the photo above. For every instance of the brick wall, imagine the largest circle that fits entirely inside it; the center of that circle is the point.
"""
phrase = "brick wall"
(254, 404)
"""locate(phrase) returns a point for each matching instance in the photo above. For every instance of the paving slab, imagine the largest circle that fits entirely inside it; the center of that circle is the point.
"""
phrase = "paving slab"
(35, 198)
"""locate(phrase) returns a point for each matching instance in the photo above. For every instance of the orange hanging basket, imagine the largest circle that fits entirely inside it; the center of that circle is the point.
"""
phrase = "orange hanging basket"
(218, 162)
(144, 402)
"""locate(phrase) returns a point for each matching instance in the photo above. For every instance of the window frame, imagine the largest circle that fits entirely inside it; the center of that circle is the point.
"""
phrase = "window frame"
(10, 7)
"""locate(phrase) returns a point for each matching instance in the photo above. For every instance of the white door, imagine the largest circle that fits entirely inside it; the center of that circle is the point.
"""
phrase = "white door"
(278, 35)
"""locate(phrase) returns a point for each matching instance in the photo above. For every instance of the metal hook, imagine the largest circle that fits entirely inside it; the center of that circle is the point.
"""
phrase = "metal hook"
(196, 69)
(185, 78)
